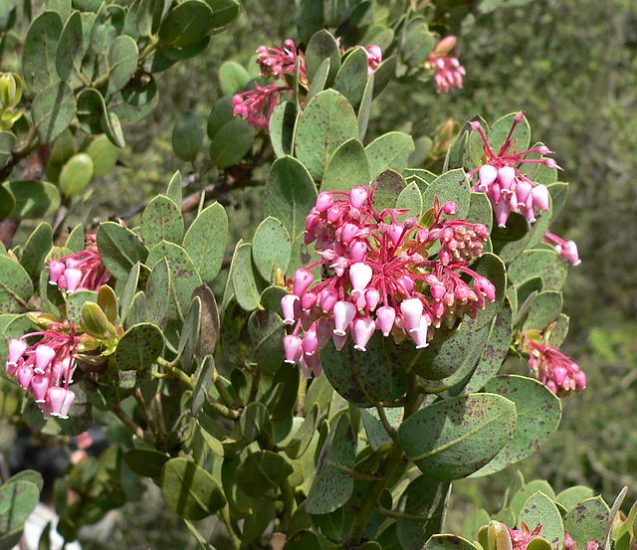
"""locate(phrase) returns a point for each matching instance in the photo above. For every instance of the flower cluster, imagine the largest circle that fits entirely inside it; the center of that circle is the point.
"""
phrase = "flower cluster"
(80, 271)
(520, 538)
(554, 369)
(566, 249)
(45, 368)
(277, 63)
(448, 71)
(381, 273)
(506, 186)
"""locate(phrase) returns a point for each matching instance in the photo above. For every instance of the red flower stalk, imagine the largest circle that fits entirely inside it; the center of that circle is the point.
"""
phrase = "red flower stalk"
(380, 275)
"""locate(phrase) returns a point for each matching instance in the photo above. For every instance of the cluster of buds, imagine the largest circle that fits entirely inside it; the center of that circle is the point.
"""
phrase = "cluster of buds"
(277, 64)
(508, 189)
(566, 249)
(520, 538)
(80, 271)
(46, 367)
(551, 367)
(379, 275)
(10, 96)
(448, 72)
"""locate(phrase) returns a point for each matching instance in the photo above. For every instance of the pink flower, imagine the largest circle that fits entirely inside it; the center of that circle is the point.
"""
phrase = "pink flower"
(45, 368)
(448, 70)
(554, 369)
(380, 276)
(80, 271)
(374, 57)
(256, 105)
(508, 189)
(520, 538)
(276, 61)
(566, 249)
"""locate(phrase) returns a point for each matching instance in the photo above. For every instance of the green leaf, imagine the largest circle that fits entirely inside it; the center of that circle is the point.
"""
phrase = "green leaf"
(450, 186)
(262, 472)
(243, 281)
(544, 310)
(347, 167)
(365, 109)
(327, 122)
(161, 221)
(528, 489)
(219, 116)
(122, 59)
(491, 267)
(103, 154)
(173, 189)
(254, 421)
(17, 500)
(290, 194)
(53, 110)
(76, 174)
(539, 509)
(189, 490)
(33, 199)
(569, 498)
(448, 542)
(15, 286)
(70, 50)
(206, 241)
(520, 138)
(351, 78)
(139, 347)
(416, 42)
(203, 380)
(266, 332)
(183, 275)
(545, 264)
(112, 127)
(187, 137)
(158, 293)
(364, 377)
(300, 441)
(281, 128)
(587, 521)
(36, 250)
(231, 143)
(320, 79)
(389, 151)
(455, 437)
(186, 25)
(332, 486)
(91, 109)
(223, 11)
(383, 74)
(271, 248)
(539, 412)
(233, 78)
(410, 199)
(120, 249)
(320, 47)
(146, 462)
(109, 23)
(128, 293)
(426, 498)
(39, 54)
(75, 302)
(138, 100)
(189, 337)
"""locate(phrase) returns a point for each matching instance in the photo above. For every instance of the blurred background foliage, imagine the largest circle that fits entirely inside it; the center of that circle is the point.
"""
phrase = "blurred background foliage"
(571, 65)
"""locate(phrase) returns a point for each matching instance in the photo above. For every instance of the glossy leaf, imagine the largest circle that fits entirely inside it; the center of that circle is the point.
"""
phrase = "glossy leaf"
(186, 24)
(231, 143)
(187, 137)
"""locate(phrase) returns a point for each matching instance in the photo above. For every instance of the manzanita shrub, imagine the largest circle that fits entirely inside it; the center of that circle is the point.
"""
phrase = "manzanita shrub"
(385, 330)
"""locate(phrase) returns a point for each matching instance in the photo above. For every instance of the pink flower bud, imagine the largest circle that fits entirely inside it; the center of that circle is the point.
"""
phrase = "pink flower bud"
(541, 197)
(506, 177)
(519, 117)
(308, 300)
(56, 269)
(327, 299)
(412, 313)
(385, 317)
(362, 329)
(502, 211)
(358, 250)
(419, 335)
(339, 340)
(358, 196)
(310, 342)
(486, 287)
(344, 313)
(559, 375)
(372, 297)
(302, 280)
(43, 357)
(450, 208)
(24, 375)
(348, 232)
(324, 201)
(73, 277)
(360, 274)
(475, 125)
(569, 252)
(39, 387)
(68, 403)
(289, 305)
(523, 190)
(580, 380)
(395, 232)
(55, 396)
(488, 175)
(438, 290)
(16, 350)
(292, 348)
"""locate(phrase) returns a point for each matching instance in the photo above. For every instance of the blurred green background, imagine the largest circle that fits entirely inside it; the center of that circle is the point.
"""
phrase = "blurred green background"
(571, 65)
